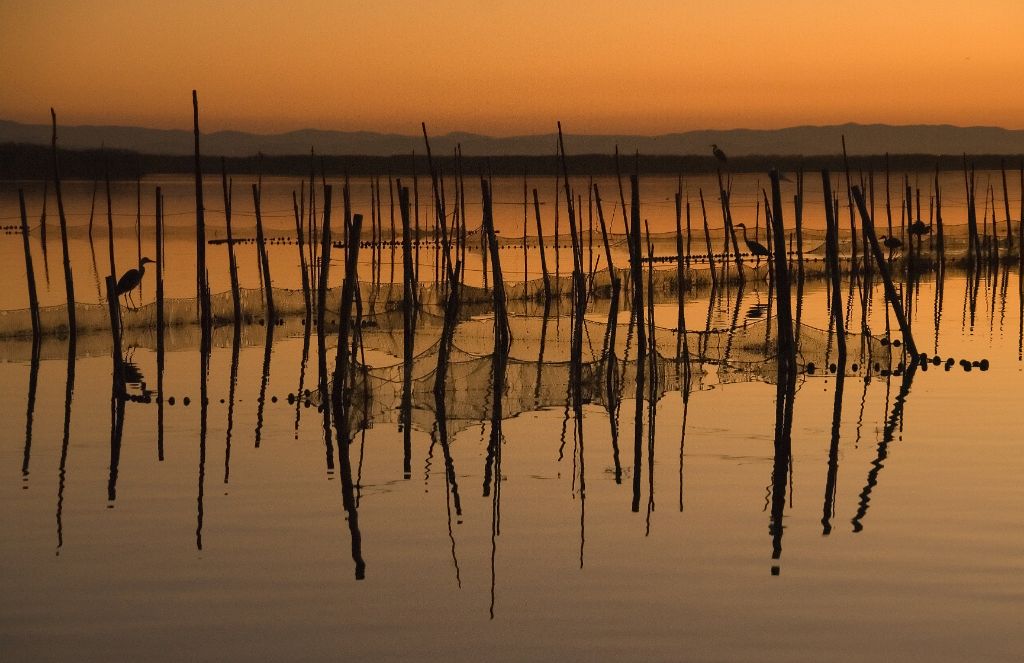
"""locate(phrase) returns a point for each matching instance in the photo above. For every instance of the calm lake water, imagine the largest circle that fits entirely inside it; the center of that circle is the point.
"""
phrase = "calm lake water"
(230, 536)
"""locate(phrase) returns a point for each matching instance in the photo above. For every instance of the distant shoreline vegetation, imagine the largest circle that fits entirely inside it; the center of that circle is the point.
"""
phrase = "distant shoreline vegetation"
(21, 161)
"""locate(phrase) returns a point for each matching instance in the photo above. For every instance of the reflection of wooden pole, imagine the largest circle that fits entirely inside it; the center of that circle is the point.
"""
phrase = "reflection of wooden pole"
(115, 321)
(33, 299)
(890, 289)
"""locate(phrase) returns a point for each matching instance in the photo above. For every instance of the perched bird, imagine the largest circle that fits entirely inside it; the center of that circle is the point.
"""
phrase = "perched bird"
(892, 243)
(919, 228)
(756, 248)
(719, 154)
(131, 280)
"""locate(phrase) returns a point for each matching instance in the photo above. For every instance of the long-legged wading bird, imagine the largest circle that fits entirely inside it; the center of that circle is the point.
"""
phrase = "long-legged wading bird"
(131, 280)
(755, 247)
(891, 243)
(719, 154)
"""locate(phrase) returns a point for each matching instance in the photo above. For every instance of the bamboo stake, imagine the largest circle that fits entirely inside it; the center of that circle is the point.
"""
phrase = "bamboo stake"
(604, 238)
(540, 247)
(325, 260)
(261, 246)
(409, 329)
(158, 240)
(707, 239)
(832, 255)
(526, 264)
(30, 276)
(300, 241)
(202, 289)
(236, 300)
(1006, 204)
(69, 284)
(883, 269)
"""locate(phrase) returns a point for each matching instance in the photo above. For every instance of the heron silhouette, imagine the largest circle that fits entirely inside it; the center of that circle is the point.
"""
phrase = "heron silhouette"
(719, 154)
(756, 248)
(891, 243)
(919, 228)
(131, 280)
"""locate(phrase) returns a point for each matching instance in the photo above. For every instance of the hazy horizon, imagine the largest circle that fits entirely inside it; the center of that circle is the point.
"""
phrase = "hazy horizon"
(512, 69)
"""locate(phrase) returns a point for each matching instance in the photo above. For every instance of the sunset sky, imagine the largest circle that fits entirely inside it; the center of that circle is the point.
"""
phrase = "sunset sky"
(512, 67)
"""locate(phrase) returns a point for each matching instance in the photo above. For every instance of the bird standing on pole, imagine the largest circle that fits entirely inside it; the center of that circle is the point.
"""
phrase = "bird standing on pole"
(757, 249)
(131, 280)
(719, 154)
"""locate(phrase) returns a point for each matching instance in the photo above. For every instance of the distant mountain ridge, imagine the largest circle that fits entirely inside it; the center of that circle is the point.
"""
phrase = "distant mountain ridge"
(861, 139)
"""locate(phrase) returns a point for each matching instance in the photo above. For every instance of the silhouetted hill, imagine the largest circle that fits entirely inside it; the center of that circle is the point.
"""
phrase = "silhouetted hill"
(861, 139)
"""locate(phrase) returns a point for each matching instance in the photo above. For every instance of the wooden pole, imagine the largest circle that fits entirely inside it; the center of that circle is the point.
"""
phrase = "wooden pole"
(883, 269)
(940, 239)
(408, 329)
(261, 246)
(707, 239)
(604, 238)
(832, 256)
(325, 263)
(798, 203)
(300, 240)
(69, 284)
(236, 300)
(202, 289)
(1006, 204)
(540, 248)
(30, 276)
(526, 263)
(159, 265)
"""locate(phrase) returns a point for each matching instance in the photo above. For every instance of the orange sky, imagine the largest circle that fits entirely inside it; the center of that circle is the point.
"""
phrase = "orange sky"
(515, 67)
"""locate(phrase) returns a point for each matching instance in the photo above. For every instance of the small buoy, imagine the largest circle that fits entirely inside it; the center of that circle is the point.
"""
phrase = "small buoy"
(222, 401)
(170, 401)
(936, 360)
(273, 399)
(185, 401)
(896, 343)
(832, 368)
(810, 368)
(885, 341)
(983, 364)
(967, 368)
(291, 399)
(854, 367)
